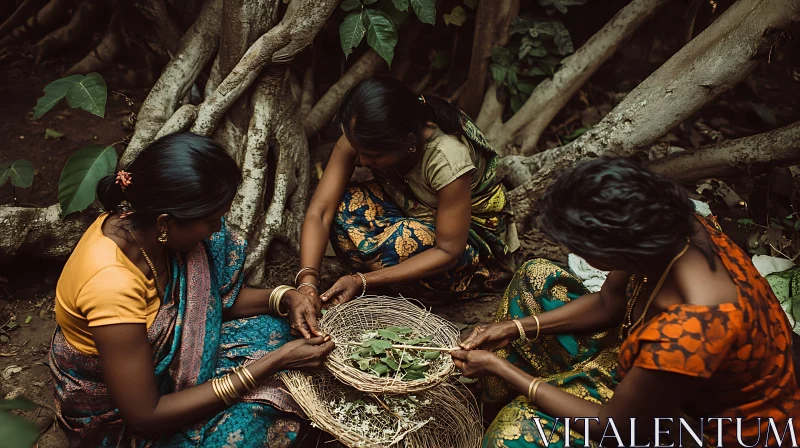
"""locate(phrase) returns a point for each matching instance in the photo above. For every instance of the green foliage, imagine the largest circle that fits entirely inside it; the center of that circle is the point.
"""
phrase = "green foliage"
(19, 172)
(52, 134)
(377, 356)
(17, 431)
(379, 21)
(456, 17)
(84, 169)
(535, 49)
(82, 92)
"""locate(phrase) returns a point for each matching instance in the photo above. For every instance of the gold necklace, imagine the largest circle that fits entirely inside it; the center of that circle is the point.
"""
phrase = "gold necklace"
(626, 322)
(152, 266)
(629, 328)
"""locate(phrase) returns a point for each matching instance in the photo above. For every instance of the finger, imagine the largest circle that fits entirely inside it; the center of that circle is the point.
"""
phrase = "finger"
(300, 324)
(316, 340)
(459, 365)
(311, 321)
(469, 341)
(458, 355)
(328, 346)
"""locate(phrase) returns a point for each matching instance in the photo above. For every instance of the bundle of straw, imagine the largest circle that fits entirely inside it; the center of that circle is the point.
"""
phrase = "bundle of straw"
(347, 324)
(445, 416)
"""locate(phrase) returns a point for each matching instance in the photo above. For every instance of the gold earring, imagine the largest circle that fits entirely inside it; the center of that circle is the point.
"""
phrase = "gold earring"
(163, 238)
(412, 149)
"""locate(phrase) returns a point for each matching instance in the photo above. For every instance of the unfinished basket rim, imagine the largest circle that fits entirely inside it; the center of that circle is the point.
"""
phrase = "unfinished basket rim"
(345, 321)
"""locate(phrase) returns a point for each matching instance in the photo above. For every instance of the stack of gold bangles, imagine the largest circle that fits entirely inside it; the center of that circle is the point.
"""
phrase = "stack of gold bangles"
(275, 299)
(224, 388)
(532, 388)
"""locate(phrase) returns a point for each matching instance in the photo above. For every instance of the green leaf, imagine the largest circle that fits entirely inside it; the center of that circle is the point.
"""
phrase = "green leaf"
(380, 368)
(18, 403)
(431, 354)
(575, 134)
(502, 56)
(17, 431)
(471, 4)
(425, 10)
(381, 34)
(363, 364)
(52, 134)
(746, 221)
(53, 94)
(498, 73)
(531, 47)
(388, 335)
(456, 17)
(19, 172)
(797, 225)
(351, 5)
(526, 88)
(420, 340)
(351, 32)
(391, 363)
(536, 71)
(79, 178)
(378, 346)
(401, 5)
(410, 376)
(28, 319)
(89, 94)
(516, 103)
(400, 330)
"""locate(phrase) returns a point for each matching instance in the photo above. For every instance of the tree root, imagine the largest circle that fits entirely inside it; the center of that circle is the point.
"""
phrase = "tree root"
(104, 53)
(493, 19)
(307, 97)
(302, 21)
(552, 94)
(20, 16)
(778, 147)
(275, 126)
(179, 121)
(82, 23)
(40, 230)
(197, 47)
(713, 63)
(50, 16)
(323, 111)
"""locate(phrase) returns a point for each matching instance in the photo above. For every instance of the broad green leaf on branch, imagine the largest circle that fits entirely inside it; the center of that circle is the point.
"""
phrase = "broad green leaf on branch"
(471, 4)
(18, 403)
(351, 5)
(381, 34)
(351, 32)
(401, 5)
(89, 94)
(561, 5)
(368, 2)
(498, 72)
(398, 17)
(425, 10)
(456, 17)
(52, 134)
(17, 431)
(526, 88)
(502, 56)
(19, 172)
(53, 94)
(84, 169)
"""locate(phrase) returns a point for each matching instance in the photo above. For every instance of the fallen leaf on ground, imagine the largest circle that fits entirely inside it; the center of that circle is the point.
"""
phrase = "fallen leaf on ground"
(10, 370)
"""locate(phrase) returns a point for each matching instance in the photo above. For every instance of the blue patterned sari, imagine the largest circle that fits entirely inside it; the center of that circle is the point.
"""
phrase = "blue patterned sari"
(191, 344)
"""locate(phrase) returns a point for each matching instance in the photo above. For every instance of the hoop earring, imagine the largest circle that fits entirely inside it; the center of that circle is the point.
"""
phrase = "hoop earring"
(162, 237)
(412, 149)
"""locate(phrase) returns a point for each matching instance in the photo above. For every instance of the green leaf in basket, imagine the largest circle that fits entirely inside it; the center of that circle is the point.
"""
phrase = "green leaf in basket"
(394, 365)
(410, 376)
(389, 335)
(378, 346)
(420, 340)
(431, 354)
(363, 364)
(380, 368)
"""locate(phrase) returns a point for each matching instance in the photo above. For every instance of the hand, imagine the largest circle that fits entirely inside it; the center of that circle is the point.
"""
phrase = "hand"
(313, 296)
(304, 354)
(302, 314)
(476, 363)
(492, 337)
(344, 290)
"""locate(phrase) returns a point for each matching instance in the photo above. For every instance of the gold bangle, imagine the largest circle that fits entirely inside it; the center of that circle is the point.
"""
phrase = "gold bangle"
(522, 336)
(307, 268)
(538, 328)
(310, 285)
(232, 393)
(533, 393)
(249, 376)
(279, 296)
(364, 283)
(238, 373)
(530, 386)
(215, 383)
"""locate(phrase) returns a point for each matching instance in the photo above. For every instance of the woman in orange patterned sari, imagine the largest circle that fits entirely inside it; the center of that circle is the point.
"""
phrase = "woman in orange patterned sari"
(703, 339)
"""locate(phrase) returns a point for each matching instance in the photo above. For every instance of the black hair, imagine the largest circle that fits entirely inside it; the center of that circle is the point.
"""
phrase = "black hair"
(614, 207)
(379, 112)
(184, 175)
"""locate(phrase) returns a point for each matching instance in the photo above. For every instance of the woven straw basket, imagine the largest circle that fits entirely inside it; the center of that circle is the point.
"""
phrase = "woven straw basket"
(446, 416)
(346, 324)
